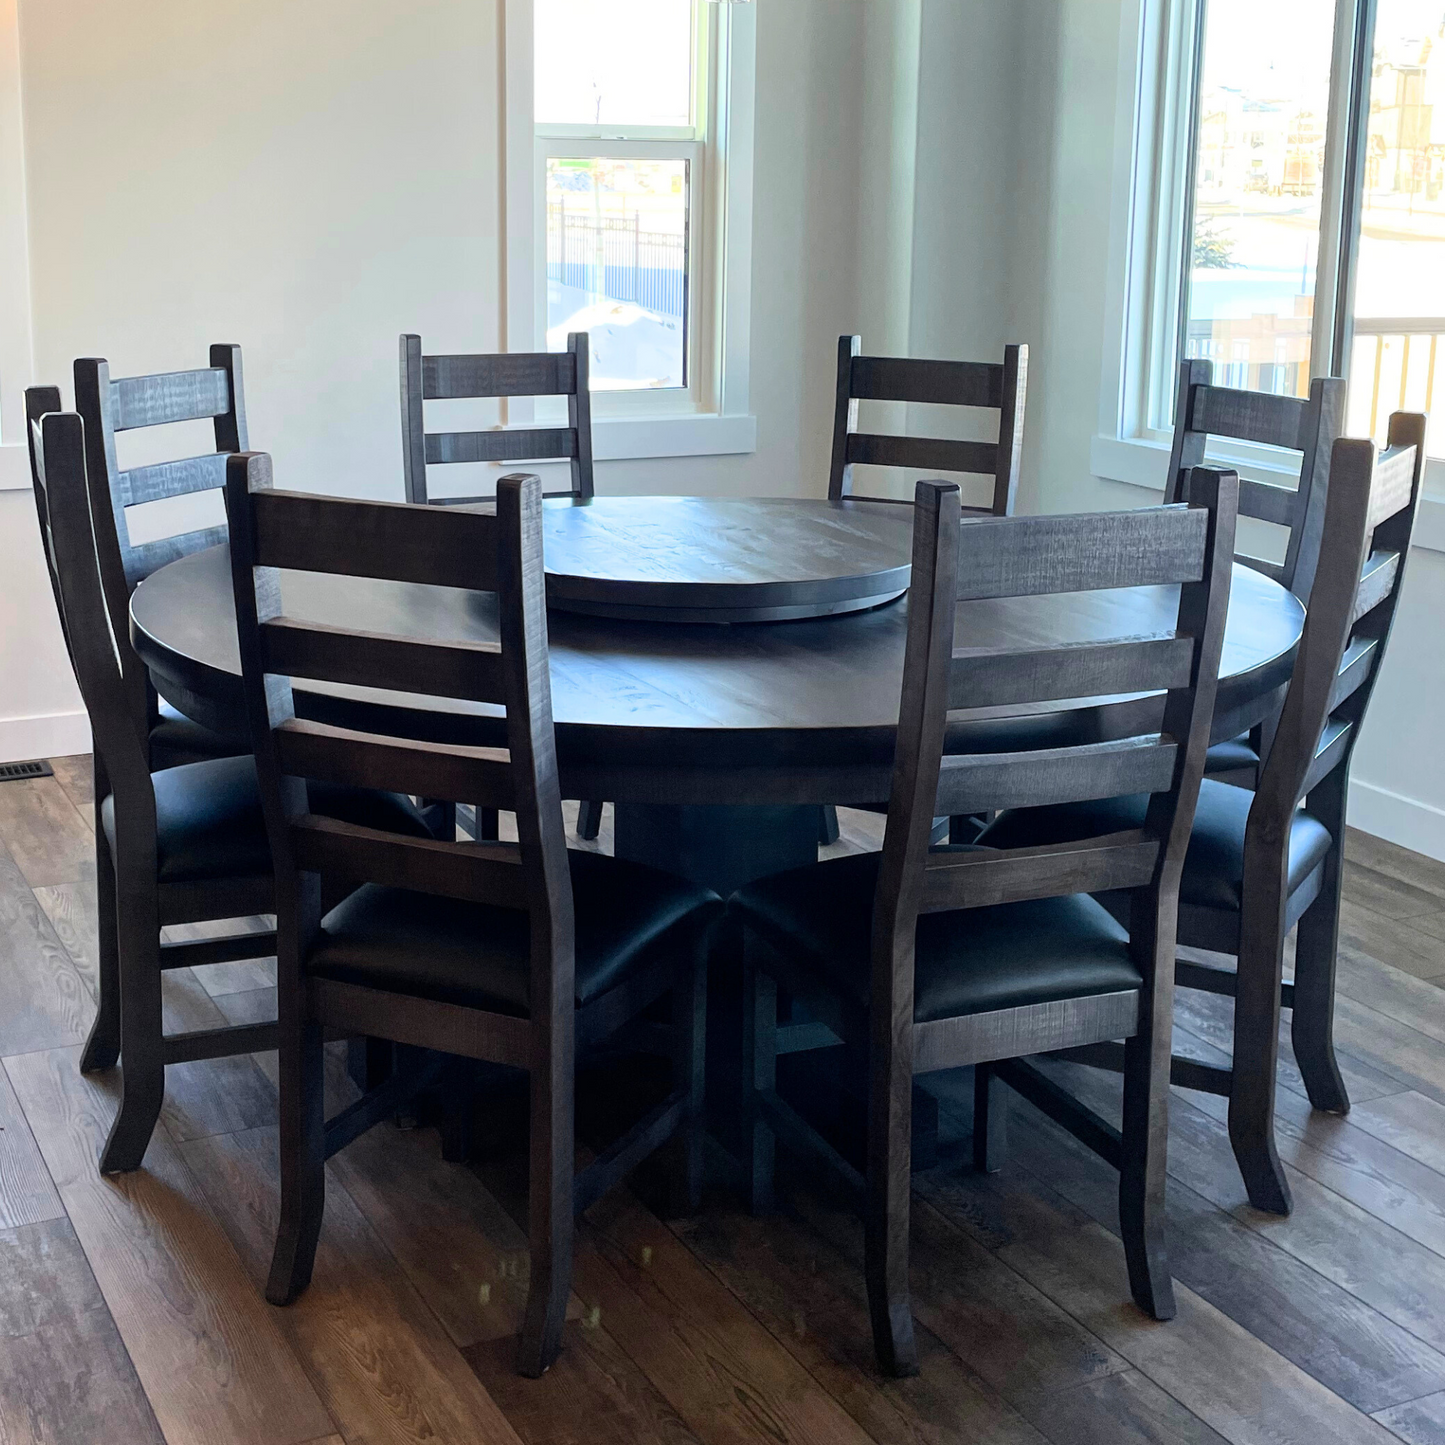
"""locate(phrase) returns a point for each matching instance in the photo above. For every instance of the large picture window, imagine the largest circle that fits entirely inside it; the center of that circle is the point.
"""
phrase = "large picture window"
(1289, 206)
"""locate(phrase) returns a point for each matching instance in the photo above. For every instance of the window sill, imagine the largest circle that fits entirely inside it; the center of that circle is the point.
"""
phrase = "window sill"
(625, 439)
(1145, 464)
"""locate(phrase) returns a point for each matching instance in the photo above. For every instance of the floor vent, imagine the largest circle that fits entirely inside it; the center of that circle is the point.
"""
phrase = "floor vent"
(13, 772)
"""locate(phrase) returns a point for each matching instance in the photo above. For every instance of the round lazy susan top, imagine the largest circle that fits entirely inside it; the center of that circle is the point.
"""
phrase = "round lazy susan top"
(724, 559)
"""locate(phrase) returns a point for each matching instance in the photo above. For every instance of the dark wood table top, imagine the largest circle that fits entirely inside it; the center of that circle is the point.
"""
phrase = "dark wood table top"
(776, 712)
(724, 559)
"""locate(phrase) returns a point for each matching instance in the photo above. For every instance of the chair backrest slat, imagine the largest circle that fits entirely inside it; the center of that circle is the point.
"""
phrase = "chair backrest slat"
(1185, 547)
(991, 782)
(531, 444)
(1308, 426)
(501, 553)
(1368, 525)
(304, 532)
(355, 759)
(334, 654)
(1267, 502)
(995, 386)
(998, 677)
(477, 873)
(922, 453)
(978, 880)
(450, 378)
(938, 383)
(1027, 556)
(162, 480)
(1377, 582)
(1255, 416)
(168, 397)
(515, 373)
(1392, 486)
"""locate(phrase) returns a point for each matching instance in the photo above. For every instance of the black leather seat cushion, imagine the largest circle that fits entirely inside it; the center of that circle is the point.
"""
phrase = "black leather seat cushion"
(967, 962)
(177, 739)
(1236, 755)
(453, 951)
(1213, 867)
(209, 822)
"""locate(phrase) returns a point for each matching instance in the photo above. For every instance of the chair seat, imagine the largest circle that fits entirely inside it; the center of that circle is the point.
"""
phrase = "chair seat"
(968, 962)
(474, 954)
(1214, 865)
(1236, 755)
(177, 739)
(209, 823)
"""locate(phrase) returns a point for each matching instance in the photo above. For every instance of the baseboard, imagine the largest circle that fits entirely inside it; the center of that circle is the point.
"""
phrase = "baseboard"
(55, 735)
(1398, 819)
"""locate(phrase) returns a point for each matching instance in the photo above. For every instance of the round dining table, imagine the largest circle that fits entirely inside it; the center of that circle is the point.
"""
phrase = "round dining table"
(715, 740)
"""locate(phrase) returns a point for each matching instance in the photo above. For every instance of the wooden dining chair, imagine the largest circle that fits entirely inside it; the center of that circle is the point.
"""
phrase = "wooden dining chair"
(1309, 426)
(185, 844)
(516, 954)
(921, 958)
(110, 406)
(983, 385)
(1261, 862)
(492, 375)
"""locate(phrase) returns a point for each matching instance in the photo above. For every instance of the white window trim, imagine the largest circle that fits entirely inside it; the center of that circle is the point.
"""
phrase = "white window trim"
(17, 350)
(731, 428)
(1122, 450)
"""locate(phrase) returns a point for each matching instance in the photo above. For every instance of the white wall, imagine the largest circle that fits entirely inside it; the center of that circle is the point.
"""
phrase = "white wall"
(311, 177)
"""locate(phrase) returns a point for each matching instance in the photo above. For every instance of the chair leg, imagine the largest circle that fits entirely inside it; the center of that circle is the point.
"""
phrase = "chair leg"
(1312, 1023)
(827, 825)
(589, 820)
(456, 1103)
(143, 1077)
(369, 1062)
(1256, 1043)
(102, 1047)
(689, 1022)
(760, 1075)
(990, 1120)
(886, 1210)
(1142, 1173)
(550, 1196)
(303, 1159)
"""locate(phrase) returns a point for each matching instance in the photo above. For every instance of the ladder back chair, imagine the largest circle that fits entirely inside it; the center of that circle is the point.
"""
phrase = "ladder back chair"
(1259, 863)
(986, 385)
(1308, 426)
(529, 374)
(924, 958)
(109, 406)
(182, 845)
(494, 375)
(511, 953)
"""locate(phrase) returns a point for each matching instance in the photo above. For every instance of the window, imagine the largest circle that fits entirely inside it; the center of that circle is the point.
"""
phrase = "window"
(1287, 195)
(638, 135)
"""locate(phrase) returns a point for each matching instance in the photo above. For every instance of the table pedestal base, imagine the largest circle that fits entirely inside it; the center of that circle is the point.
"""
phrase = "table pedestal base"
(723, 848)
(720, 847)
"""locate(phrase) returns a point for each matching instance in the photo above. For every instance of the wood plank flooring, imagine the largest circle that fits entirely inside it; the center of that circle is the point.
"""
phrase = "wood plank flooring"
(130, 1309)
